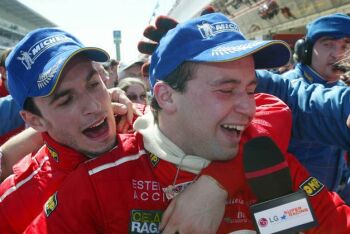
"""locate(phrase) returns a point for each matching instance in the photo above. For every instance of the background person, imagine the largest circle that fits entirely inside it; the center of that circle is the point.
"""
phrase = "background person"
(135, 89)
(3, 76)
(325, 44)
(131, 68)
(11, 122)
(112, 68)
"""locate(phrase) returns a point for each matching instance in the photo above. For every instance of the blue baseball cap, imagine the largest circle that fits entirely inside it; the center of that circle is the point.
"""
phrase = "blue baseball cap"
(212, 38)
(334, 25)
(35, 64)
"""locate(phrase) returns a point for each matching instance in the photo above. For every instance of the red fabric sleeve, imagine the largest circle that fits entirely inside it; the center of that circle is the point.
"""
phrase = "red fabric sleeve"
(332, 214)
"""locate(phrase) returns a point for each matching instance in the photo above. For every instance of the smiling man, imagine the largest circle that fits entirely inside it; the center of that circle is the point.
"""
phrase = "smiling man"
(52, 78)
(203, 109)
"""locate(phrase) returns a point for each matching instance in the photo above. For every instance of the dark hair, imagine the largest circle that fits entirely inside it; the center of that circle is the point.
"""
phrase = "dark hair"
(177, 80)
(30, 106)
(4, 56)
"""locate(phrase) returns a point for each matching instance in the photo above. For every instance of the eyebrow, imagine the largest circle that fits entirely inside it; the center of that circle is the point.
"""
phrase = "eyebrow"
(57, 95)
(228, 81)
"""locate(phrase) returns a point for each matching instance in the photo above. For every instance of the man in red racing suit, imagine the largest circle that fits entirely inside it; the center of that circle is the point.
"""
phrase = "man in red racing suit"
(127, 189)
(34, 180)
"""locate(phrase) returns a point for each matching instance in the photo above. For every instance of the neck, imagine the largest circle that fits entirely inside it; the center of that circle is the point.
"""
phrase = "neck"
(157, 142)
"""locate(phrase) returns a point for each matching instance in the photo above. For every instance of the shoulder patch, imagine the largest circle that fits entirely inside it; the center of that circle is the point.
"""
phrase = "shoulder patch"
(51, 204)
(311, 186)
(53, 153)
(154, 159)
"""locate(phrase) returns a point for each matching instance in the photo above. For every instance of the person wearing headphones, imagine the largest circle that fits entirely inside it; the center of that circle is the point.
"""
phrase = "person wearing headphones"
(318, 56)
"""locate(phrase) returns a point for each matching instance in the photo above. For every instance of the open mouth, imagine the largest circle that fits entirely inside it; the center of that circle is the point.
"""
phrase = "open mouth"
(233, 128)
(97, 129)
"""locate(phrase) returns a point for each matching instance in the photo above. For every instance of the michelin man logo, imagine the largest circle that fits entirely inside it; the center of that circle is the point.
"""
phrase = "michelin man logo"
(208, 30)
(28, 57)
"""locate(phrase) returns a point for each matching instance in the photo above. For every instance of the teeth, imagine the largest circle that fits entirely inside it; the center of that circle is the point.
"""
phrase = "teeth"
(97, 124)
(234, 127)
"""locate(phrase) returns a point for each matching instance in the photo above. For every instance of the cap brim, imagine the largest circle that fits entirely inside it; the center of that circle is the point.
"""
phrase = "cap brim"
(267, 54)
(53, 69)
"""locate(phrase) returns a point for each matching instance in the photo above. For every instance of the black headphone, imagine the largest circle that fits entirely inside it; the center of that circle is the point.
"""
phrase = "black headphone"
(303, 51)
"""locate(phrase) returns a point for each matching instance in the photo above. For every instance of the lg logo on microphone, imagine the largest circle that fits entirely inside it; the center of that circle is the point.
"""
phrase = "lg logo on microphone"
(263, 222)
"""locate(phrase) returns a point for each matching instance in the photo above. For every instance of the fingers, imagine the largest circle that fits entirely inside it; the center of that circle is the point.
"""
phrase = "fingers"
(153, 33)
(118, 95)
(119, 109)
(165, 23)
(147, 47)
(130, 114)
(166, 216)
(122, 106)
(207, 10)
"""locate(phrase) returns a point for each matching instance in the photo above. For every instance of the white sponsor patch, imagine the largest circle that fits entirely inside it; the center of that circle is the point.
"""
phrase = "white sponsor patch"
(208, 30)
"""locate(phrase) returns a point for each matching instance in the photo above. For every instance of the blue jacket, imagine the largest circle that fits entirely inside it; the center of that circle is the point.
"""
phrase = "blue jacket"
(319, 134)
(10, 118)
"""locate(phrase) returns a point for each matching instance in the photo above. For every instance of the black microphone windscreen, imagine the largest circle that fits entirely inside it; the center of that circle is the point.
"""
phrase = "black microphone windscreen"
(266, 170)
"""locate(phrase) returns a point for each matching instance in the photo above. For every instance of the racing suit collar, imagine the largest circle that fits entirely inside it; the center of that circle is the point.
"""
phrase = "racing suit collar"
(61, 156)
(312, 76)
(161, 146)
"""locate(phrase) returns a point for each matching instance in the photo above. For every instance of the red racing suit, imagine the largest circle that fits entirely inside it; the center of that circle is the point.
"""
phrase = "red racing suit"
(35, 179)
(123, 191)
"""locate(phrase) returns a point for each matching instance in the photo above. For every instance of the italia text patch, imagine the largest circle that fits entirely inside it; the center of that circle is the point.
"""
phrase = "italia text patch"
(312, 186)
(145, 221)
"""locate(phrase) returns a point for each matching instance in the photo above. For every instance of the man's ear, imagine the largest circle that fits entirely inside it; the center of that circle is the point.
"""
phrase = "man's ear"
(165, 96)
(34, 121)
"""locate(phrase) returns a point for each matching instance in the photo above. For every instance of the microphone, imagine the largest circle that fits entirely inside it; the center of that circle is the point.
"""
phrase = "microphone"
(279, 208)
(266, 169)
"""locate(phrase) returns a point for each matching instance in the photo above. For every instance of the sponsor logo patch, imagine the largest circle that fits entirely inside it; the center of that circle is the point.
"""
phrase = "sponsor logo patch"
(53, 153)
(154, 159)
(50, 205)
(145, 221)
(312, 186)
(208, 30)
